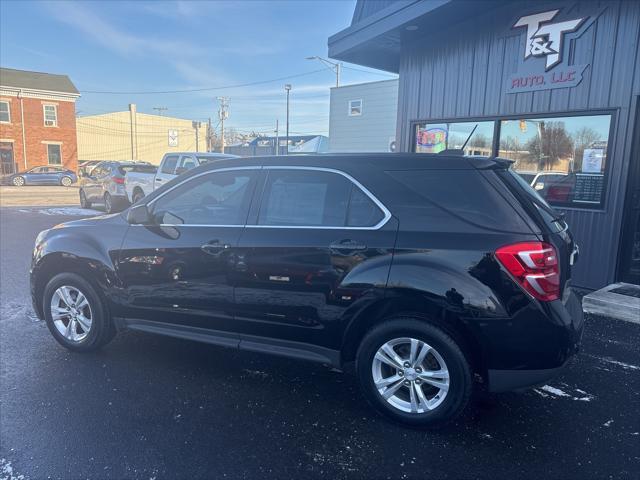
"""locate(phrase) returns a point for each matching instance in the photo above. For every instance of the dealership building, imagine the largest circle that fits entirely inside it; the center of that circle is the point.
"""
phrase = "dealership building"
(552, 85)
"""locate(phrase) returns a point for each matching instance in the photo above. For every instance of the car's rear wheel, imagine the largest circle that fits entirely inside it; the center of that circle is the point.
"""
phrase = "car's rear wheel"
(18, 181)
(84, 203)
(108, 203)
(75, 313)
(413, 372)
(66, 181)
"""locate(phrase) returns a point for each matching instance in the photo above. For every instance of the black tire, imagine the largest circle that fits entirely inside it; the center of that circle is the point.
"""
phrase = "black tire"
(108, 203)
(460, 377)
(66, 181)
(84, 203)
(18, 181)
(102, 329)
(137, 196)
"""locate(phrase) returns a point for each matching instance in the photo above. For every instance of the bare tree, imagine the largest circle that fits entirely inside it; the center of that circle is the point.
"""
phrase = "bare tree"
(551, 145)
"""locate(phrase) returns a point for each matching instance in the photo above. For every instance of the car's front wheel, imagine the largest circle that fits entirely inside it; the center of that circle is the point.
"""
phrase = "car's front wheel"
(66, 181)
(413, 372)
(18, 181)
(75, 313)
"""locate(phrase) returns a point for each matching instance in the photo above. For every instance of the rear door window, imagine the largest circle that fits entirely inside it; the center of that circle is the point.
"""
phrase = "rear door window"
(304, 198)
(315, 198)
(169, 164)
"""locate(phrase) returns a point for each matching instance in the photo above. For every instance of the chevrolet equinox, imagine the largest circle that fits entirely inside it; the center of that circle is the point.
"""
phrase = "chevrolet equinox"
(431, 272)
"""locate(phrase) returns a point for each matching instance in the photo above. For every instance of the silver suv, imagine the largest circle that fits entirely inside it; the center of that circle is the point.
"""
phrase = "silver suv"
(105, 184)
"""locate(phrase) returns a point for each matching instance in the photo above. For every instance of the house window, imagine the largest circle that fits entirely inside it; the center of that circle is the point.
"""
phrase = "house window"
(5, 113)
(475, 138)
(355, 108)
(54, 154)
(562, 158)
(50, 115)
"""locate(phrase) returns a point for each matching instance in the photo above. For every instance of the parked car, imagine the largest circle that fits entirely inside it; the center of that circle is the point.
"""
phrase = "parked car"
(85, 167)
(377, 259)
(46, 175)
(140, 184)
(528, 176)
(105, 184)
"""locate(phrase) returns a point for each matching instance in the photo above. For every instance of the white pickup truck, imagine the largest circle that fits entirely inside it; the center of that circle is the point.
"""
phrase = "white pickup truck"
(140, 184)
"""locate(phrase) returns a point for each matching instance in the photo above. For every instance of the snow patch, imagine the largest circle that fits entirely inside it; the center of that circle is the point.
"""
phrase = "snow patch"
(554, 391)
(627, 366)
(70, 211)
(17, 312)
(256, 373)
(6, 471)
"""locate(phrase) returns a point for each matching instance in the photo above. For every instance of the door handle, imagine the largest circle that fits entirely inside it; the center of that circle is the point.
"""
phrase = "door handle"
(158, 179)
(214, 247)
(347, 244)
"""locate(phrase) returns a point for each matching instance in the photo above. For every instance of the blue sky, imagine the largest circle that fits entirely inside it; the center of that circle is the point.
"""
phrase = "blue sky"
(175, 45)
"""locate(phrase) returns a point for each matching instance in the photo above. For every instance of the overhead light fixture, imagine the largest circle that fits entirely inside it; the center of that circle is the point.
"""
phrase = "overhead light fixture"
(411, 28)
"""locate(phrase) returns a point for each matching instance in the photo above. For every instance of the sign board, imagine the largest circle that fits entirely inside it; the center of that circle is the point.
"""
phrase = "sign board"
(172, 137)
(592, 160)
(431, 140)
(542, 67)
(588, 188)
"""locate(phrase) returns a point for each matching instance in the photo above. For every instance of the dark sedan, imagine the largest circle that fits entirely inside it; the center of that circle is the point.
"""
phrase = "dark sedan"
(42, 176)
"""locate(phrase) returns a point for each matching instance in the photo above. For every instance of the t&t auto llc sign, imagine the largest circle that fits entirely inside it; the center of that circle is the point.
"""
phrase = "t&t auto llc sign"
(542, 65)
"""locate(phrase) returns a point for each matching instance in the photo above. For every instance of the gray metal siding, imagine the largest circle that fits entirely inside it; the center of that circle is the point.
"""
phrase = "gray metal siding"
(463, 74)
(371, 131)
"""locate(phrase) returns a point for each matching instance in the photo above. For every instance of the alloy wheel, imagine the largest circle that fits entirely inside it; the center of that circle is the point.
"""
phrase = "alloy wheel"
(66, 181)
(71, 313)
(18, 181)
(410, 375)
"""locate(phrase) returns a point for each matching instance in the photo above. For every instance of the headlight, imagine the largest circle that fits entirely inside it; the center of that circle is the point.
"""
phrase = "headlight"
(41, 236)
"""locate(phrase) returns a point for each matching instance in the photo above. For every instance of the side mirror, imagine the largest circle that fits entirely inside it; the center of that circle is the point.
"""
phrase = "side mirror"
(139, 215)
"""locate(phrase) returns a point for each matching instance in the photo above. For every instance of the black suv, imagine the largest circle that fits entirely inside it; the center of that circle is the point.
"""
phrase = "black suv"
(428, 271)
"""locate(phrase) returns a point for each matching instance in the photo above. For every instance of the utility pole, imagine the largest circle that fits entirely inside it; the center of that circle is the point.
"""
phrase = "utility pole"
(277, 139)
(209, 137)
(287, 87)
(223, 114)
(196, 126)
(160, 110)
(334, 66)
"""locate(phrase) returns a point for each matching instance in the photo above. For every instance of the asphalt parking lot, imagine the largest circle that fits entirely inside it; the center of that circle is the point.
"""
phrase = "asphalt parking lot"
(148, 407)
(38, 195)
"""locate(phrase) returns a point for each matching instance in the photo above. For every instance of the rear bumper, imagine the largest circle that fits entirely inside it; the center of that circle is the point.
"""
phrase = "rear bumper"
(532, 346)
(507, 380)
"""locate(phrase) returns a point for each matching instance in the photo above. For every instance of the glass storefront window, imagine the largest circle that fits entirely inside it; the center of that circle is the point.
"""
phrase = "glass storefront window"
(562, 158)
(436, 137)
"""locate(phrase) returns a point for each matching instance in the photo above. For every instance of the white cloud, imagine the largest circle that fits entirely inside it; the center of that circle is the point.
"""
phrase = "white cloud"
(109, 36)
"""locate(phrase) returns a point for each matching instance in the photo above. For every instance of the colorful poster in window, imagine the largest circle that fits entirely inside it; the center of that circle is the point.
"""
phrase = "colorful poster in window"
(430, 140)
(592, 160)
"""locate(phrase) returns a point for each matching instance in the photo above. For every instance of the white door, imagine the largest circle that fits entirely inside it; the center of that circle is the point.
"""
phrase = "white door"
(167, 171)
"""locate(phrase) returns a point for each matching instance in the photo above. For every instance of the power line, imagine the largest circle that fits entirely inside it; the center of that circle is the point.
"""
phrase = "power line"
(190, 90)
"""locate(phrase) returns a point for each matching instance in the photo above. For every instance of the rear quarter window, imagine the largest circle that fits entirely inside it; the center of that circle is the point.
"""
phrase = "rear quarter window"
(465, 195)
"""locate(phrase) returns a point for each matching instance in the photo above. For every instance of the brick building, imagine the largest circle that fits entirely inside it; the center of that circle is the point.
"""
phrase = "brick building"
(37, 120)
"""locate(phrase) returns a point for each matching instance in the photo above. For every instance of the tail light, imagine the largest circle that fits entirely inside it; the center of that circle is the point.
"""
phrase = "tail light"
(534, 265)
(118, 180)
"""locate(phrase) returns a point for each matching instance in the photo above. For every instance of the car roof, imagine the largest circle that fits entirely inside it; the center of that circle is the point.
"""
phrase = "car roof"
(351, 161)
(204, 154)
